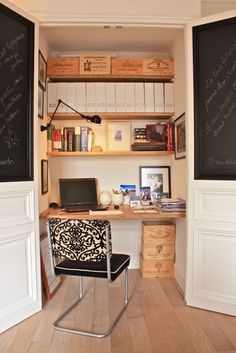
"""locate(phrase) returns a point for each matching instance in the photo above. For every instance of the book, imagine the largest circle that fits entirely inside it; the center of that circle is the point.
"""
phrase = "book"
(139, 96)
(110, 96)
(169, 97)
(159, 97)
(56, 140)
(148, 146)
(86, 139)
(129, 97)
(149, 96)
(77, 139)
(170, 136)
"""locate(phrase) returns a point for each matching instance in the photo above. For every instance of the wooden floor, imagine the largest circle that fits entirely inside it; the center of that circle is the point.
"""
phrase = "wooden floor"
(156, 321)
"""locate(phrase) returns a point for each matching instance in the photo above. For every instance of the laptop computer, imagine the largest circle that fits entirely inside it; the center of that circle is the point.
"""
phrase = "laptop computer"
(79, 194)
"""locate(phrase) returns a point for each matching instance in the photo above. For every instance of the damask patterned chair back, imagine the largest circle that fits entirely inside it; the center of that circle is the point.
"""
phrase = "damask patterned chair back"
(83, 240)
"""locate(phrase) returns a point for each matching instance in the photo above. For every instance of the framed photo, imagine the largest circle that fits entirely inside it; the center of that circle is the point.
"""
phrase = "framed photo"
(157, 179)
(42, 71)
(180, 138)
(44, 175)
(118, 136)
(51, 282)
(40, 102)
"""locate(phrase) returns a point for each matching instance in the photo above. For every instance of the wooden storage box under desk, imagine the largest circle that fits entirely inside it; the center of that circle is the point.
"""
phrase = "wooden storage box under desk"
(157, 268)
(158, 249)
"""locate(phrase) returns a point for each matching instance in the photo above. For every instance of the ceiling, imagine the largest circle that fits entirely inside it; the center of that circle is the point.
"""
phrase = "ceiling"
(112, 39)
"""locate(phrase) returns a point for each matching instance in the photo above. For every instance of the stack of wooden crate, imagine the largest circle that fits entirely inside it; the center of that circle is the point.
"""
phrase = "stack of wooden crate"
(105, 65)
(158, 249)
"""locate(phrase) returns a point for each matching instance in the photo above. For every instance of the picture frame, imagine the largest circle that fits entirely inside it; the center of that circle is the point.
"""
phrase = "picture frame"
(157, 178)
(40, 102)
(42, 71)
(44, 176)
(180, 137)
(118, 136)
(51, 282)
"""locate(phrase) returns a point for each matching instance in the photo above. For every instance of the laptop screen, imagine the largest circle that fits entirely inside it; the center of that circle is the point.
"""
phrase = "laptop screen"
(78, 191)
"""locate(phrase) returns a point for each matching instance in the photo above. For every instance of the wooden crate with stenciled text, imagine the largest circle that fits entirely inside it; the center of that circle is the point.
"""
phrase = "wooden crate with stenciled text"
(158, 67)
(158, 249)
(62, 67)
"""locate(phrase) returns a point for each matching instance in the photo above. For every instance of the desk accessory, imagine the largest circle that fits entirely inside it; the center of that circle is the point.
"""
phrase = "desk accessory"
(117, 197)
(105, 198)
(93, 119)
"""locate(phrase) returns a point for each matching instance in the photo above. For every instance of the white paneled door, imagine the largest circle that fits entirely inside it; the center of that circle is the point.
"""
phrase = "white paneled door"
(20, 294)
(211, 240)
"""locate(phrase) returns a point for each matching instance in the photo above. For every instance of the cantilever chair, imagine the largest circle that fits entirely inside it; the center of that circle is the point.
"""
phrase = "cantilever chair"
(83, 248)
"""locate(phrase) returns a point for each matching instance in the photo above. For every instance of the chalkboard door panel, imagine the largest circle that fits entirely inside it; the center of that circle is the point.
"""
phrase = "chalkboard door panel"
(16, 96)
(19, 234)
(214, 57)
(211, 158)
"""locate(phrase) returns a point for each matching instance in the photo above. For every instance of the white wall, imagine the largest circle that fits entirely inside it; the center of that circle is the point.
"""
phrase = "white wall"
(210, 7)
(112, 10)
(42, 148)
(178, 167)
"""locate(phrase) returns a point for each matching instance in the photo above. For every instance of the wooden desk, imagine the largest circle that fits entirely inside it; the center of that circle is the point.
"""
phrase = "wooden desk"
(126, 215)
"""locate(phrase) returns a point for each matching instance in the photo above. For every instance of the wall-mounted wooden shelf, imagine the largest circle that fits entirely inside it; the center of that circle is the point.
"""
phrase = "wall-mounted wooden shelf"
(110, 78)
(111, 153)
(116, 116)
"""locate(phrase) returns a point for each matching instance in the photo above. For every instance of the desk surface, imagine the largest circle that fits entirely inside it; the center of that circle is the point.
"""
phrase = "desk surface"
(128, 213)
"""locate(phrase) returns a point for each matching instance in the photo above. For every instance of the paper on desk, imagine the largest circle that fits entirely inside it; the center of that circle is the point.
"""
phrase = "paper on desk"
(108, 212)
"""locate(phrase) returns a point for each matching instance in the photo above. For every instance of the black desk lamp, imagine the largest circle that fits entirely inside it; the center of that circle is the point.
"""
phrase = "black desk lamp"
(95, 119)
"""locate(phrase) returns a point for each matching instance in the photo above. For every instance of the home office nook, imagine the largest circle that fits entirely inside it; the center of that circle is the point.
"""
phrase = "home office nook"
(137, 71)
(135, 99)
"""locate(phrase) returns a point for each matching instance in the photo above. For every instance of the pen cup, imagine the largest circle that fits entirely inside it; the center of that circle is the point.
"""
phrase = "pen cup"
(117, 199)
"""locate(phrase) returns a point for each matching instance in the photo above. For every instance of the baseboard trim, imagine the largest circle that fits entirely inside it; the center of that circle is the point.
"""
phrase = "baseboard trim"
(179, 278)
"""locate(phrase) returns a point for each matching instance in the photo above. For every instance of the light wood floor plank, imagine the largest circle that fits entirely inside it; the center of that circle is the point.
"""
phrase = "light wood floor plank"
(24, 335)
(156, 321)
(214, 332)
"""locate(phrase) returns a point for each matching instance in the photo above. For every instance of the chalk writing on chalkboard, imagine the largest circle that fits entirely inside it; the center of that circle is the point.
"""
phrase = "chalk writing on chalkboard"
(214, 49)
(16, 94)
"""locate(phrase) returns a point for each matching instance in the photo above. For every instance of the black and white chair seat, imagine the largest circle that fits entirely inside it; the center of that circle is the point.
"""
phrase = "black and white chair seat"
(83, 248)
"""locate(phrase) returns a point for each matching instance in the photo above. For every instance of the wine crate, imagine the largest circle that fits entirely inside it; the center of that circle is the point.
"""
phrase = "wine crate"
(164, 251)
(95, 64)
(157, 268)
(64, 67)
(158, 67)
(126, 67)
(158, 249)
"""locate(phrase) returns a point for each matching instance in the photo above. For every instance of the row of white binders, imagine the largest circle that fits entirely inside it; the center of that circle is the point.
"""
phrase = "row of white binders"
(112, 97)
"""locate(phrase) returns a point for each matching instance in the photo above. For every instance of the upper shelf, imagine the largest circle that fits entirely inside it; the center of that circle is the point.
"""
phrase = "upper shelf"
(110, 153)
(116, 116)
(109, 78)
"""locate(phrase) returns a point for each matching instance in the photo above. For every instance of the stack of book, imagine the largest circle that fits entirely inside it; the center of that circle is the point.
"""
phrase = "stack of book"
(72, 139)
(171, 205)
(140, 134)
